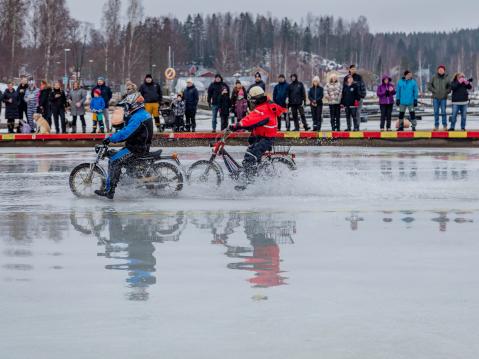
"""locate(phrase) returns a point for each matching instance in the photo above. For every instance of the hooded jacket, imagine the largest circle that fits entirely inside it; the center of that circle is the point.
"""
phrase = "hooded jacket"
(385, 96)
(191, 96)
(137, 132)
(439, 86)
(151, 92)
(296, 93)
(407, 92)
(11, 108)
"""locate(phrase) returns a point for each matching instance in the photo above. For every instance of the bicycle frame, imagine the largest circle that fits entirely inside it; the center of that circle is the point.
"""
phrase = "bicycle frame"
(233, 167)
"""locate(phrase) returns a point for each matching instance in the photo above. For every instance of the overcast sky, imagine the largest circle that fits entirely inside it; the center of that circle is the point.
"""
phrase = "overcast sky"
(383, 15)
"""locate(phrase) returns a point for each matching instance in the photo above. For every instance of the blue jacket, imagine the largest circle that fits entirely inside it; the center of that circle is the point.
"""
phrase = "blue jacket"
(280, 94)
(97, 104)
(407, 92)
(137, 133)
(190, 94)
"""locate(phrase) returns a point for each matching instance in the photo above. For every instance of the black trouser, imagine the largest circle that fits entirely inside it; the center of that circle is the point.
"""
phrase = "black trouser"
(317, 113)
(335, 116)
(59, 113)
(179, 123)
(386, 114)
(190, 120)
(352, 112)
(224, 121)
(284, 116)
(257, 148)
(295, 109)
(74, 123)
(11, 125)
(22, 109)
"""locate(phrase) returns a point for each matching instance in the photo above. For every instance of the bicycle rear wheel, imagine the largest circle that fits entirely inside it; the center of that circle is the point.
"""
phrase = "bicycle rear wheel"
(166, 179)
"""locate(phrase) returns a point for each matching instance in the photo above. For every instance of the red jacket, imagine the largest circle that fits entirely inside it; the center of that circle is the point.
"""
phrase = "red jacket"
(262, 121)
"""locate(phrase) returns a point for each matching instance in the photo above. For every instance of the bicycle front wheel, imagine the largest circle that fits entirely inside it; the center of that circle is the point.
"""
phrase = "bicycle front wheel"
(204, 174)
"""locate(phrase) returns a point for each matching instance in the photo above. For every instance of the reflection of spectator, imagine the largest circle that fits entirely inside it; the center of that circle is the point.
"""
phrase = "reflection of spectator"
(460, 99)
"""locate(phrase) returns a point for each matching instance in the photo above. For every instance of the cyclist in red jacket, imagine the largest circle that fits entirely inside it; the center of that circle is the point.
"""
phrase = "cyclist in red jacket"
(263, 124)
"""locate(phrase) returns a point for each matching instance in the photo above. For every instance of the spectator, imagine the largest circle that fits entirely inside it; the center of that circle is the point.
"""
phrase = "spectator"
(296, 100)
(386, 92)
(151, 92)
(1, 101)
(460, 99)
(179, 110)
(214, 98)
(106, 95)
(31, 98)
(44, 101)
(191, 105)
(406, 98)
(440, 87)
(225, 106)
(21, 89)
(350, 100)
(77, 98)
(315, 96)
(11, 98)
(358, 80)
(58, 103)
(333, 92)
(258, 82)
(239, 101)
(97, 107)
(280, 96)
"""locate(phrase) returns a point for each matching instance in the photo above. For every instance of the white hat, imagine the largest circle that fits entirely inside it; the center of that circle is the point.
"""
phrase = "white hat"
(256, 91)
(316, 79)
(189, 81)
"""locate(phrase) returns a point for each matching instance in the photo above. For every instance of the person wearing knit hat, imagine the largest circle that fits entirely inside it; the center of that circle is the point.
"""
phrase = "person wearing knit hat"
(151, 92)
(440, 87)
(106, 94)
(191, 96)
(97, 107)
(315, 97)
(258, 82)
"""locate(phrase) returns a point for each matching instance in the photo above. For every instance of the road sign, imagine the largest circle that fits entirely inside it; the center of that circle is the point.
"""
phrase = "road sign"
(170, 73)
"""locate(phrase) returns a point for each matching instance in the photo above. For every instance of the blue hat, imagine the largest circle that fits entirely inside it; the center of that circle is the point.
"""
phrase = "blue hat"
(101, 79)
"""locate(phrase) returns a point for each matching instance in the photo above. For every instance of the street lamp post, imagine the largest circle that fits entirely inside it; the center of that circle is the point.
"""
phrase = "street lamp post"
(91, 69)
(65, 78)
(153, 70)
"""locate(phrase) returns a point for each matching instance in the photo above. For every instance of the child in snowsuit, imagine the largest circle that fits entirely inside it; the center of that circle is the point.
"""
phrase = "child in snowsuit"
(179, 111)
(97, 105)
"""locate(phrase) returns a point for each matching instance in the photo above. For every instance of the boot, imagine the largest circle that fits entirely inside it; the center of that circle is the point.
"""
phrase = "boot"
(104, 193)
(74, 129)
(83, 129)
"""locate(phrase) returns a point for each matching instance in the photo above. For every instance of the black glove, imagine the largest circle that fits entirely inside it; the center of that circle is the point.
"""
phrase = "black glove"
(234, 127)
(471, 80)
(106, 141)
(398, 102)
(415, 103)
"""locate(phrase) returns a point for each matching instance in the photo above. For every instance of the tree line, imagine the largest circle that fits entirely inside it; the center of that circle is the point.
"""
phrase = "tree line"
(35, 33)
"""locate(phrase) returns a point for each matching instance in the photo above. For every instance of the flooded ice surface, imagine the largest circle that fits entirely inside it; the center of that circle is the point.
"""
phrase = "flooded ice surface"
(364, 253)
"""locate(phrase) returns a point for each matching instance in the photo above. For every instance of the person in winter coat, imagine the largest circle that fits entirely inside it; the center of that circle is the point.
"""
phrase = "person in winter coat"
(179, 111)
(239, 101)
(214, 97)
(76, 99)
(350, 100)
(97, 107)
(258, 82)
(460, 99)
(191, 97)
(296, 100)
(358, 80)
(262, 122)
(407, 94)
(58, 103)
(11, 99)
(440, 87)
(315, 97)
(151, 92)
(386, 92)
(280, 96)
(332, 94)
(22, 106)
(225, 106)
(31, 97)
(44, 101)
(106, 94)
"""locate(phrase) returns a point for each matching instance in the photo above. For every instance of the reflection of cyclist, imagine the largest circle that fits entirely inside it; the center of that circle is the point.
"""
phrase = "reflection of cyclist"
(137, 134)
(262, 122)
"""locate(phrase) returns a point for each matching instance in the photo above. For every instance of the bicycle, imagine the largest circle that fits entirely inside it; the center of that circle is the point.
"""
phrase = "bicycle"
(274, 163)
(160, 175)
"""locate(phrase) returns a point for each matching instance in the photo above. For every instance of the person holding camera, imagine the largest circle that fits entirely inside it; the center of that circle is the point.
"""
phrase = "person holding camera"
(460, 99)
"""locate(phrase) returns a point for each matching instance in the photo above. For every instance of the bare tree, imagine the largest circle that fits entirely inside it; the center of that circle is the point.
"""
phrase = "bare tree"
(111, 27)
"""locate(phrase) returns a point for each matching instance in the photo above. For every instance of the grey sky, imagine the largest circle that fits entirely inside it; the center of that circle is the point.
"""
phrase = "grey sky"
(383, 15)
